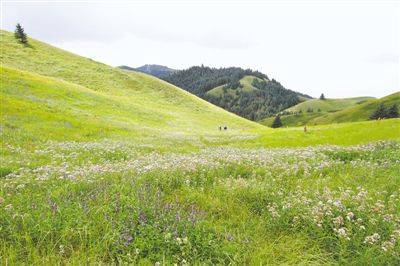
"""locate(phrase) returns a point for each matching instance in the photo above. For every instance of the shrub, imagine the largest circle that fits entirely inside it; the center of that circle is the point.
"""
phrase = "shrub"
(277, 122)
(383, 112)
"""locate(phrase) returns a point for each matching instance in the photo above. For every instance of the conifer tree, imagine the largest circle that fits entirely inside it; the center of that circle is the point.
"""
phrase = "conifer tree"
(380, 112)
(277, 122)
(20, 35)
(322, 97)
(392, 111)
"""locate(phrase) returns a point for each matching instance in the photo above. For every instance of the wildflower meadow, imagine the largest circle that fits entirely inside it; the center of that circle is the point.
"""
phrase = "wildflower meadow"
(113, 202)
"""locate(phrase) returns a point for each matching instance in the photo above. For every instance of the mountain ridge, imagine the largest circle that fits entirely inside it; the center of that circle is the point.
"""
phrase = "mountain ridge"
(158, 71)
(254, 98)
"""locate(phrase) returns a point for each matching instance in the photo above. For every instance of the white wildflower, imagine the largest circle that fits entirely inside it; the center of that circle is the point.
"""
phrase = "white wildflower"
(372, 239)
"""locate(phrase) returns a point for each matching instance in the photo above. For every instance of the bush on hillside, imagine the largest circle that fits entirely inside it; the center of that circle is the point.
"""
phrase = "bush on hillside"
(277, 122)
(392, 111)
(382, 112)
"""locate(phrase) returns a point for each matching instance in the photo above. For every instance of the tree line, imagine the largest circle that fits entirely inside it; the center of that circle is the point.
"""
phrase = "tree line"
(268, 98)
(200, 79)
(383, 112)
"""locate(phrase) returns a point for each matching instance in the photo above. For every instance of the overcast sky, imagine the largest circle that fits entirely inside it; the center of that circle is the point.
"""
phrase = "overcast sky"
(344, 48)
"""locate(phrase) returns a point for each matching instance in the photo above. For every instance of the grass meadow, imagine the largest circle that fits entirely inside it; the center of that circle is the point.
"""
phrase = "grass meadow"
(101, 166)
(113, 202)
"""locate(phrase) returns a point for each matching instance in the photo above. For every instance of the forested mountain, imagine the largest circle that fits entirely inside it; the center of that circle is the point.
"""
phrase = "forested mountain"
(250, 94)
(154, 70)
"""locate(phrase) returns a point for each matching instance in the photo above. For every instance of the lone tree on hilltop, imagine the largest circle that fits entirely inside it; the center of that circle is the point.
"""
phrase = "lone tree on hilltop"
(277, 122)
(322, 97)
(20, 35)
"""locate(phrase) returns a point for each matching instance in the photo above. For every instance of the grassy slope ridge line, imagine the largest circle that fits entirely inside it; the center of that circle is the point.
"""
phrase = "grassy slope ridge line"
(152, 103)
(318, 107)
(333, 110)
(359, 112)
(328, 105)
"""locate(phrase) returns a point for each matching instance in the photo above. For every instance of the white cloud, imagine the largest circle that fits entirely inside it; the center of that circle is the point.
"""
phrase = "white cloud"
(385, 59)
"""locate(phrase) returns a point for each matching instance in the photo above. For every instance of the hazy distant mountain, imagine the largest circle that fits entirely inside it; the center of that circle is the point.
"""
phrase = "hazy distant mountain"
(154, 70)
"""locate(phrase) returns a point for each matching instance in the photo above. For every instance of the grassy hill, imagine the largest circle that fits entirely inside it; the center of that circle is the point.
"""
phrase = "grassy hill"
(328, 105)
(103, 166)
(360, 112)
(75, 98)
(308, 111)
(50, 80)
(246, 82)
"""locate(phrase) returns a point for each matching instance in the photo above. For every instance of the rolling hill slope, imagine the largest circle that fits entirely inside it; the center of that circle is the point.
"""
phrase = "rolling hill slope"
(306, 112)
(328, 105)
(359, 109)
(51, 94)
(70, 93)
(360, 112)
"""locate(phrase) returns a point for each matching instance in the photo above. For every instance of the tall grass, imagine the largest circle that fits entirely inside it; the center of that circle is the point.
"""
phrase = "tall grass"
(321, 205)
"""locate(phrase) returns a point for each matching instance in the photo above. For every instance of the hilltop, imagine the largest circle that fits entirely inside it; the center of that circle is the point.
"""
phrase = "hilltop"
(304, 112)
(79, 98)
(327, 105)
(248, 93)
(358, 112)
(158, 71)
(328, 111)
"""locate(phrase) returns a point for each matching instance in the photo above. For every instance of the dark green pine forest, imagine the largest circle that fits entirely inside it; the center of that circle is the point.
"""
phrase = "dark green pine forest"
(245, 92)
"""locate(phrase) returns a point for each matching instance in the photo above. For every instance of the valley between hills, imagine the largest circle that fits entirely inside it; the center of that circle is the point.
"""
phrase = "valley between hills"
(103, 165)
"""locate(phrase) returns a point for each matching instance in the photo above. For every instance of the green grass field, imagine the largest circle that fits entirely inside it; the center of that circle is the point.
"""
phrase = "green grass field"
(104, 166)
